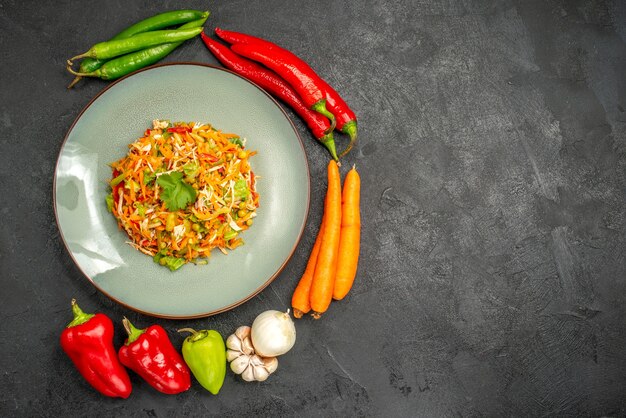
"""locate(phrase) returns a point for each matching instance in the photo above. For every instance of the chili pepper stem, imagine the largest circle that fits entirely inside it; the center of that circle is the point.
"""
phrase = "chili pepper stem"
(83, 55)
(80, 317)
(349, 128)
(77, 74)
(73, 83)
(329, 143)
(133, 332)
(320, 107)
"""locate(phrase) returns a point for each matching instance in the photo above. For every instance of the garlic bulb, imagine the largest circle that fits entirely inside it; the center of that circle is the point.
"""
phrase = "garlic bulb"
(243, 359)
(273, 333)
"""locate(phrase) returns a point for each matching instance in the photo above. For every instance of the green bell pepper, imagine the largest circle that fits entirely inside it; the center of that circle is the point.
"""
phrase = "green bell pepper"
(205, 353)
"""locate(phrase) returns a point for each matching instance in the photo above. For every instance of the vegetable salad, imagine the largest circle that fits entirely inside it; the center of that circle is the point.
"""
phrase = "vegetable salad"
(182, 190)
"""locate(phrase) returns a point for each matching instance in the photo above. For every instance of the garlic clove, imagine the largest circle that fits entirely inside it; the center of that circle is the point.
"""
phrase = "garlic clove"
(232, 355)
(256, 360)
(246, 346)
(270, 364)
(248, 374)
(233, 342)
(243, 332)
(260, 373)
(240, 364)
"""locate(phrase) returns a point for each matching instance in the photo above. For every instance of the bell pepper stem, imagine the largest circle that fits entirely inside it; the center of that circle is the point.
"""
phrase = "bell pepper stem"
(193, 331)
(80, 317)
(133, 332)
(195, 335)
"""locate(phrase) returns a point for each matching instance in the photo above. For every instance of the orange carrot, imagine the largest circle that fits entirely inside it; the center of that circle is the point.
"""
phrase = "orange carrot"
(300, 301)
(349, 241)
(326, 266)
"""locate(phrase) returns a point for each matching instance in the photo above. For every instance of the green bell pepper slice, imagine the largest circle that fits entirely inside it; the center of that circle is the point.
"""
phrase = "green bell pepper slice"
(205, 353)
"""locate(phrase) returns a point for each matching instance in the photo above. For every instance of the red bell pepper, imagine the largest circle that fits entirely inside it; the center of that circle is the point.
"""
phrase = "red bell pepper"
(179, 129)
(150, 353)
(88, 341)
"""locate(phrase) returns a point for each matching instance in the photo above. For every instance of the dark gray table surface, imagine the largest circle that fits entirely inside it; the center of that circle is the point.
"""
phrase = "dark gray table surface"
(492, 154)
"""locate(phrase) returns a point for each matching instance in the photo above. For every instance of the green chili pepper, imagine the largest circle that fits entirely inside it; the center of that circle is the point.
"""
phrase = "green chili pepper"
(160, 21)
(205, 353)
(128, 63)
(117, 47)
(117, 180)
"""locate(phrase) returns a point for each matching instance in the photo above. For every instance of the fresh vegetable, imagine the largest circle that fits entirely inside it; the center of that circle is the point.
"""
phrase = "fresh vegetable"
(171, 262)
(240, 342)
(126, 64)
(182, 190)
(349, 241)
(294, 71)
(150, 353)
(326, 266)
(346, 120)
(253, 367)
(273, 333)
(233, 37)
(276, 86)
(176, 194)
(117, 47)
(88, 341)
(160, 21)
(301, 299)
(243, 359)
(205, 354)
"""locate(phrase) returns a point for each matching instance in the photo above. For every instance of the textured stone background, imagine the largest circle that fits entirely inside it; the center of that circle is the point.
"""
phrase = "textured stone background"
(492, 151)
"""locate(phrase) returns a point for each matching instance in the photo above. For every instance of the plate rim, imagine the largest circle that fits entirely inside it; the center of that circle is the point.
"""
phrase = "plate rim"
(234, 304)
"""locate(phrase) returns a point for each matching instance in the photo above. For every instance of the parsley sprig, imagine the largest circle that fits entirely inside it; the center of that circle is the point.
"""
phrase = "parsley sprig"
(176, 194)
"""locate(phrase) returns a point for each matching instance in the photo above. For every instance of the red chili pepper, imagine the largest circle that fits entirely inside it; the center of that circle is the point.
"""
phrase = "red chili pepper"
(179, 129)
(88, 341)
(210, 158)
(147, 133)
(294, 71)
(150, 353)
(238, 38)
(271, 82)
(345, 118)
